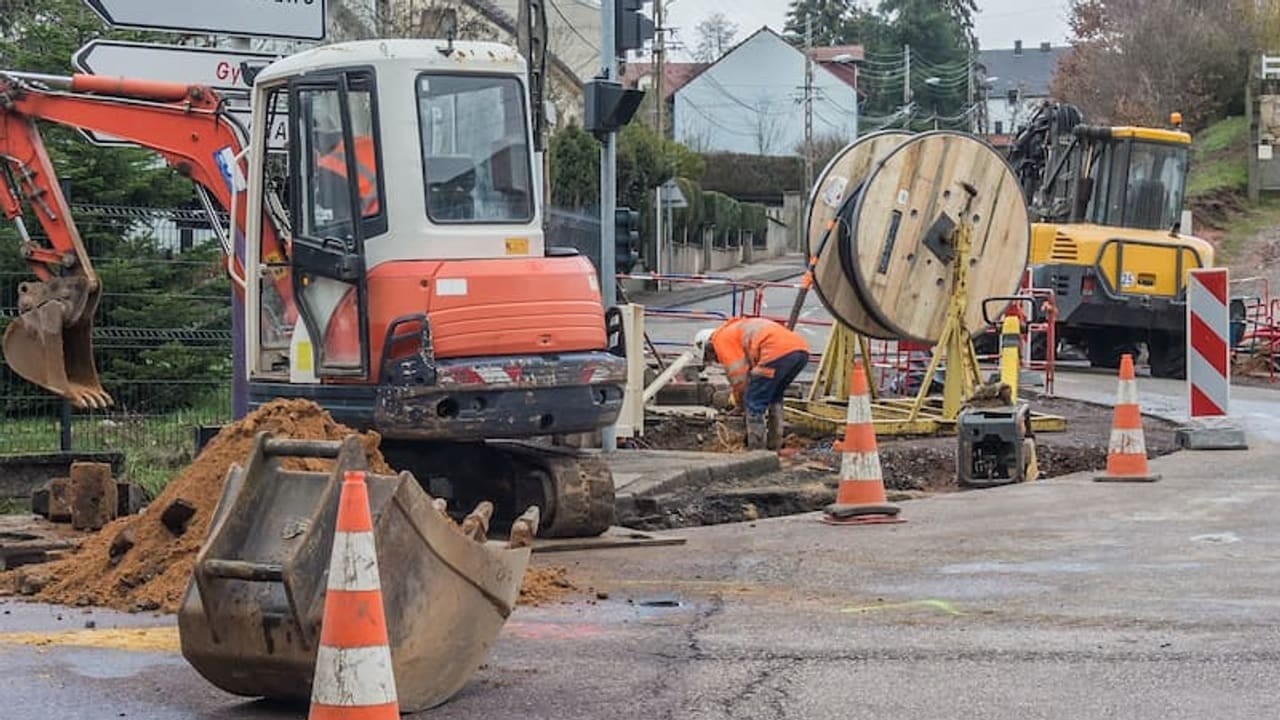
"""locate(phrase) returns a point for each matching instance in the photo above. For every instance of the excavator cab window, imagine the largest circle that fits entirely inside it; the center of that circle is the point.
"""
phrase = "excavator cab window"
(475, 149)
(1138, 184)
(336, 203)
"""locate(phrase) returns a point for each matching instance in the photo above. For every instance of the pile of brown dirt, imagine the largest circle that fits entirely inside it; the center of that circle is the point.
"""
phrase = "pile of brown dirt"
(153, 573)
(542, 585)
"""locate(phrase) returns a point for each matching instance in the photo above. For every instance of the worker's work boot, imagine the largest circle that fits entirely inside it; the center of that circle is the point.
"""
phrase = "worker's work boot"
(757, 432)
(773, 438)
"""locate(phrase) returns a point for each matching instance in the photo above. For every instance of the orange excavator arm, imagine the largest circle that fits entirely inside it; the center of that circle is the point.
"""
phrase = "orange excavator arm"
(50, 343)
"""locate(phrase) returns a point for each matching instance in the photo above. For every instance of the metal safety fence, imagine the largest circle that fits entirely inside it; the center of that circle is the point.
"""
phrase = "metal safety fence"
(162, 340)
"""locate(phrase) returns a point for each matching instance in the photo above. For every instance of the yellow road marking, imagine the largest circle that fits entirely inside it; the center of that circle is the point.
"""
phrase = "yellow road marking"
(153, 639)
(940, 605)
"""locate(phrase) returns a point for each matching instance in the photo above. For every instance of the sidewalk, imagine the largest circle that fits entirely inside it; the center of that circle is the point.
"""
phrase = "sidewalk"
(779, 269)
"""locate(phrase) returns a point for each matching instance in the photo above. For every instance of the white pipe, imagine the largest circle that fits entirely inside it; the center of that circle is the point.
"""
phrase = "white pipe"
(667, 375)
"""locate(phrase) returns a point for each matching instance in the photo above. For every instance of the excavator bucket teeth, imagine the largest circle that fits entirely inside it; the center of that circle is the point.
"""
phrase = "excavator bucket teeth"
(51, 343)
(250, 619)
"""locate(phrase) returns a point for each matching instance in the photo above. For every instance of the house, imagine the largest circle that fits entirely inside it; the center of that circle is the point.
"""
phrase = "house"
(644, 76)
(751, 100)
(1015, 82)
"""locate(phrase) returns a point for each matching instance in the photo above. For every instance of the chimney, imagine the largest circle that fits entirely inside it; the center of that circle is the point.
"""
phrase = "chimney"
(1017, 47)
(1044, 47)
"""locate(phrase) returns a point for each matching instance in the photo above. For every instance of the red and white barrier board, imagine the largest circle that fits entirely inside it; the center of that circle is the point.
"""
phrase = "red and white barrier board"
(1208, 347)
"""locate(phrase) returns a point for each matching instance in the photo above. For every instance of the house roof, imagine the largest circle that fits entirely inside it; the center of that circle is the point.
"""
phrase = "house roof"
(675, 74)
(829, 53)
(824, 56)
(1030, 69)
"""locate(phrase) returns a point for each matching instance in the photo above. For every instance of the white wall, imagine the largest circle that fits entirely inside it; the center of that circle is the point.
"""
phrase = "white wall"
(1010, 115)
(751, 102)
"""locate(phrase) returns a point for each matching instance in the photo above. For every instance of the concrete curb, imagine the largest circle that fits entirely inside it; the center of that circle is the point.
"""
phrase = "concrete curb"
(678, 298)
(742, 466)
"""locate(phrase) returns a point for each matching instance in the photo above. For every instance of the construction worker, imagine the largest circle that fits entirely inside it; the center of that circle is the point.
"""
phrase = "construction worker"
(335, 162)
(761, 358)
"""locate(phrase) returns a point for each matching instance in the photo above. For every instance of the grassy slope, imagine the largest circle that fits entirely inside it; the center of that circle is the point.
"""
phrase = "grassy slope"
(1219, 159)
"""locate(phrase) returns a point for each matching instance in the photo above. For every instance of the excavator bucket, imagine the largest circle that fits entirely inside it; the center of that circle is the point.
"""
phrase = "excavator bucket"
(250, 619)
(50, 343)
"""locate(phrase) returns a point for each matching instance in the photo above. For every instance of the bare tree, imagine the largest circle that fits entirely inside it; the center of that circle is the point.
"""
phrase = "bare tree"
(766, 128)
(715, 35)
(1135, 61)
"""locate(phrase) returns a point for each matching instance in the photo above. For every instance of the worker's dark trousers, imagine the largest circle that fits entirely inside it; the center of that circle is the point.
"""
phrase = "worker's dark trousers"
(763, 390)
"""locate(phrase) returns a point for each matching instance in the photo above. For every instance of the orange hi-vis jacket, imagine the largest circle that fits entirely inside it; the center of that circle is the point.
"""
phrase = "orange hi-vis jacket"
(366, 163)
(745, 345)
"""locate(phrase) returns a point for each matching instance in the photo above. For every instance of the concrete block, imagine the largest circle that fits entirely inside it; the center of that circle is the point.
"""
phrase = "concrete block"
(20, 475)
(746, 465)
(1210, 438)
(93, 496)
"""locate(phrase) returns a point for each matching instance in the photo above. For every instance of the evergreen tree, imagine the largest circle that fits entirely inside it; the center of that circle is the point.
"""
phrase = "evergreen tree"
(144, 287)
(830, 21)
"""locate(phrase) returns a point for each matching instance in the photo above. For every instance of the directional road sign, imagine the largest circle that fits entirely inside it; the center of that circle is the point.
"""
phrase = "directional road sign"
(218, 68)
(301, 19)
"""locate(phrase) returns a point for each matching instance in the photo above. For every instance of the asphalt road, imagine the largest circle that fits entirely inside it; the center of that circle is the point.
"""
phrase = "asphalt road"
(1060, 600)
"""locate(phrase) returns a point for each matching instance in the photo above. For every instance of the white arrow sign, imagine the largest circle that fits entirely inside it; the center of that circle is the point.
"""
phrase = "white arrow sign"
(275, 139)
(216, 67)
(301, 19)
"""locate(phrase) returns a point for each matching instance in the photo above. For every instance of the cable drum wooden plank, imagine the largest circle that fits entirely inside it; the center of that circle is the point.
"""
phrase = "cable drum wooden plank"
(843, 176)
(903, 233)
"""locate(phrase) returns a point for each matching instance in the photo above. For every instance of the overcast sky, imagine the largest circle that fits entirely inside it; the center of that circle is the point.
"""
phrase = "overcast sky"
(999, 23)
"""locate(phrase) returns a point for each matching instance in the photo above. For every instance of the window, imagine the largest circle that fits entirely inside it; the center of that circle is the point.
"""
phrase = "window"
(999, 127)
(1156, 177)
(1139, 184)
(326, 190)
(475, 149)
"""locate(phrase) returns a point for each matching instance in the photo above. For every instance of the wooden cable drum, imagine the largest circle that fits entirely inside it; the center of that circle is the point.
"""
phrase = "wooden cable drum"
(896, 268)
(834, 200)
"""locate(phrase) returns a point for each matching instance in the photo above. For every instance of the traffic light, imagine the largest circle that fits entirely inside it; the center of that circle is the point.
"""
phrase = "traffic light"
(626, 239)
(631, 28)
(608, 106)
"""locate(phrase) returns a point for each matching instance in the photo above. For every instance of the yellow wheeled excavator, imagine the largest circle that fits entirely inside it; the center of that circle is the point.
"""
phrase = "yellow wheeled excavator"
(1107, 233)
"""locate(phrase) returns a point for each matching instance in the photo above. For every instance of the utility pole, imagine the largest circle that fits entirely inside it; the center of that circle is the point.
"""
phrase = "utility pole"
(608, 187)
(660, 75)
(906, 76)
(808, 107)
(973, 115)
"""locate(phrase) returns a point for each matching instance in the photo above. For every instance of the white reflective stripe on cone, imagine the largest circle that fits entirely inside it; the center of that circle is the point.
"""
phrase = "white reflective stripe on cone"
(859, 412)
(1127, 442)
(353, 677)
(355, 562)
(1127, 393)
(860, 466)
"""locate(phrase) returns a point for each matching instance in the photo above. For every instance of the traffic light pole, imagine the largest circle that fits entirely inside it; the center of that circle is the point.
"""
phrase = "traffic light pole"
(608, 188)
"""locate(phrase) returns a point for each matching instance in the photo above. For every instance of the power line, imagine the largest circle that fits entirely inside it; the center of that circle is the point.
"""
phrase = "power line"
(573, 27)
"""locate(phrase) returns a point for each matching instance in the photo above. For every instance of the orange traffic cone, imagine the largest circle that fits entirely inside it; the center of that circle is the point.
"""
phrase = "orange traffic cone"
(1127, 452)
(353, 678)
(860, 499)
